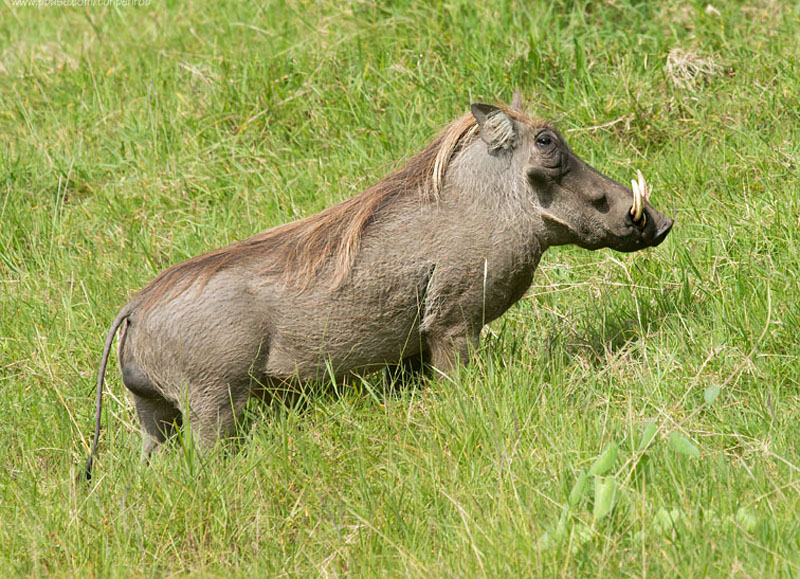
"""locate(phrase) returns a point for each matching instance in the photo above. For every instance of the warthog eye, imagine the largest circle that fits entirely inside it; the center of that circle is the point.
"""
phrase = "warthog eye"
(544, 140)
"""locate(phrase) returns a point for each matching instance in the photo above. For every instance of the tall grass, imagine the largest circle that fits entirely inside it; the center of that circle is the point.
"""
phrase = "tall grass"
(135, 137)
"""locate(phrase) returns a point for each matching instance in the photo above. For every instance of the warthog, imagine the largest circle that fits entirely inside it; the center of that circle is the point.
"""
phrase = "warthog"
(404, 274)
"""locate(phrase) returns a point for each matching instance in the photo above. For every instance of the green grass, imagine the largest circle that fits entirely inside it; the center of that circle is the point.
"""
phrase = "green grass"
(134, 137)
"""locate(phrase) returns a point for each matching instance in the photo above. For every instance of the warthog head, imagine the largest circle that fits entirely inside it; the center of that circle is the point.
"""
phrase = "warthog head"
(576, 203)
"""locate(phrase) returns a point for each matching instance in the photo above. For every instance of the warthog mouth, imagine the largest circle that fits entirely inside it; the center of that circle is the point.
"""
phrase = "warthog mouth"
(641, 193)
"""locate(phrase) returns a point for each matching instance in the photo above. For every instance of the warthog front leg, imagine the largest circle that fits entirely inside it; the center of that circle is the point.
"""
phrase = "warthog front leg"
(450, 348)
(214, 410)
(408, 370)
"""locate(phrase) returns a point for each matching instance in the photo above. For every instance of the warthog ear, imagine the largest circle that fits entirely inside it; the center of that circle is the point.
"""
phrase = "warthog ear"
(516, 101)
(496, 128)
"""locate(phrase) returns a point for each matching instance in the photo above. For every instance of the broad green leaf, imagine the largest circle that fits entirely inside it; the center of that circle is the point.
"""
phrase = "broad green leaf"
(605, 490)
(710, 394)
(746, 519)
(605, 461)
(561, 527)
(578, 489)
(545, 542)
(682, 445)
(664, 521)
(647, 435)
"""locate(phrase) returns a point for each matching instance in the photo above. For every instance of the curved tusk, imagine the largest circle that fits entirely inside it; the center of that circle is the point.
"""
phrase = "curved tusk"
(643, 185)
(638, 201)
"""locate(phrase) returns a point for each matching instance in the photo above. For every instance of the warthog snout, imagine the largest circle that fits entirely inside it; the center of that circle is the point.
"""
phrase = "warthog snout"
(655, 229)
(662, 231)
(641, 212)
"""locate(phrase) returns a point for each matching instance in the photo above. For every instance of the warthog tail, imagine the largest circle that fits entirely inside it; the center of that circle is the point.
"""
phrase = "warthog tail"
(121, 317)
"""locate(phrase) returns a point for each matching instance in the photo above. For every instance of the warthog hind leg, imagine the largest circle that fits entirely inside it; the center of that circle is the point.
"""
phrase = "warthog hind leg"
(158, 416)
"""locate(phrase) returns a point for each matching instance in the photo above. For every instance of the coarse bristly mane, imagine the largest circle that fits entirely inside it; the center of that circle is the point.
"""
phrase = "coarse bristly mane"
(299, 249)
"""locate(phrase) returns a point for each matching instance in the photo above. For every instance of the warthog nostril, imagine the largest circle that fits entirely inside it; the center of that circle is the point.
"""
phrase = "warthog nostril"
(662, 232)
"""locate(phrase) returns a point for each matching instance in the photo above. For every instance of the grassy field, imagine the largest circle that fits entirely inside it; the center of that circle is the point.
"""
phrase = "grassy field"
(133, 137)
